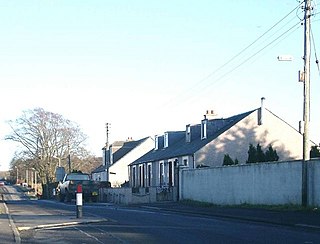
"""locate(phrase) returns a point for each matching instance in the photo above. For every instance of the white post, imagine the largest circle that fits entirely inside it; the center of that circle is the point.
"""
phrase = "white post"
(79, 201)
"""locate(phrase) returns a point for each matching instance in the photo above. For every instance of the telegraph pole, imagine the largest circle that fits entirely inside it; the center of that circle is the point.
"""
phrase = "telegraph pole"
(106, 159)
(69, 158)
(306, 104)
(107, 134)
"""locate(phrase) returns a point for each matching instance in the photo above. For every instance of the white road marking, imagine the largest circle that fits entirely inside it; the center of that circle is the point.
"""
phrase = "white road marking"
(87, 234)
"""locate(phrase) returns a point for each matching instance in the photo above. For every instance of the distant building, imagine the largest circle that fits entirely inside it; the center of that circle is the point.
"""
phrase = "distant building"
(117, 157)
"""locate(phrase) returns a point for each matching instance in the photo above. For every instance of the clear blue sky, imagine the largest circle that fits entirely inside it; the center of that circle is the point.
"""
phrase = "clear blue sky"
(148, 67)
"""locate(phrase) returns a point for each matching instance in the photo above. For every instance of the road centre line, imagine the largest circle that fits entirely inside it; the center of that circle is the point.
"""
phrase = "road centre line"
(65, 224)
(87, 234)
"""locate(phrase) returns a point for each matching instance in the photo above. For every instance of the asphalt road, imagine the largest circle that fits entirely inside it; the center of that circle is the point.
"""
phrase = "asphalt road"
(55, 222)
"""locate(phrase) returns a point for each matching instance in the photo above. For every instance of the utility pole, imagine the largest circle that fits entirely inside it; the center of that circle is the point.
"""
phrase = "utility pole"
(69, 157)
(306, 104)
(107, 134)
(106, 159)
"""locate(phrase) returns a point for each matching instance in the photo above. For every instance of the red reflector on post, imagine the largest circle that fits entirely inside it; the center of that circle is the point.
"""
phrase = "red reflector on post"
(79, 188)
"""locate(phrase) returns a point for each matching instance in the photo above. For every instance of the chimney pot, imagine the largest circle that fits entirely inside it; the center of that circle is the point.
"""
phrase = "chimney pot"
(261, 112)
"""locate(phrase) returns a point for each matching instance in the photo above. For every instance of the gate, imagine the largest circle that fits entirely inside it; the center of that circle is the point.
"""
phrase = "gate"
(166, 193)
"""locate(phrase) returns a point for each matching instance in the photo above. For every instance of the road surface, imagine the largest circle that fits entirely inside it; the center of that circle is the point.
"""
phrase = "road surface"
(54, 222)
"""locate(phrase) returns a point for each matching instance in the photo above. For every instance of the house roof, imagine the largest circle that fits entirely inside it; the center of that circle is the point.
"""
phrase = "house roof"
(99, 169)
(182, 148)
(126, 148)
(121, 152)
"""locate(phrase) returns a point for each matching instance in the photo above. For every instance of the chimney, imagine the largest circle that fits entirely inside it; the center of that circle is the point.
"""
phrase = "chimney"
(210, 114)
(188, 133)
(261, 112)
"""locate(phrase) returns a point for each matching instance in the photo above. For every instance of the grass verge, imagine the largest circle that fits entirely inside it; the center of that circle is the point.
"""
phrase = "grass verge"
(285, 207)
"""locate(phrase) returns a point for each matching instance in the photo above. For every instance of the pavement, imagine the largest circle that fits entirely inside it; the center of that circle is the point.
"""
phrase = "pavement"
(26, 217)
(306, 219)
(12, 225)
(6, 232)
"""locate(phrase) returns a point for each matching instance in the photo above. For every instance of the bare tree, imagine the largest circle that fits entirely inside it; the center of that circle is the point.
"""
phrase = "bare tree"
(46, 139)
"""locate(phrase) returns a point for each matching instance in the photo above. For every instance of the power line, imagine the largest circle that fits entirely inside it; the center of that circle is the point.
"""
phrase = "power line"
(251, 44)
(260, 50)
(239, 54)
(282, 37)
(315, 50)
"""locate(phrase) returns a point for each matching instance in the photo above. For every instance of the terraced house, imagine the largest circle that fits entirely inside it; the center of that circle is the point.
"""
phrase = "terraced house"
(205, 145)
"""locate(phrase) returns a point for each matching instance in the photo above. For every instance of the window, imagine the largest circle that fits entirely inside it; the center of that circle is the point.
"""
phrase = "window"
(134, 176)
(171, 174)
(185, 162)
(204, 129)
(149, 174)
(161, 174)
(156, 141)
(166, 140)
(141, 175)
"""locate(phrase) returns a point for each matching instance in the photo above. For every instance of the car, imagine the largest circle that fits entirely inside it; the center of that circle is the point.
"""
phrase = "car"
(2, 183)
(67, 189)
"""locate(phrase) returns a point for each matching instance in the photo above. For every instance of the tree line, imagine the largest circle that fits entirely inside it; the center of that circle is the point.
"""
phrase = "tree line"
(257, 155)
(48, 140)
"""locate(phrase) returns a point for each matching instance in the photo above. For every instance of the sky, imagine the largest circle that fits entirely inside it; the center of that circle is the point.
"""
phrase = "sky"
(147, 67)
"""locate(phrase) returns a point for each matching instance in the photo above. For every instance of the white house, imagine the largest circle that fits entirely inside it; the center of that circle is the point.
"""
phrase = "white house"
(205, 145)
(117, 157)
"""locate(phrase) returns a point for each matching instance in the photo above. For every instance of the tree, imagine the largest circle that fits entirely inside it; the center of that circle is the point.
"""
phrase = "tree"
(46, 140)
(271, 155)
(314, 152)
(252, 154)
(256, 154)
(260, 154)
(227, 160)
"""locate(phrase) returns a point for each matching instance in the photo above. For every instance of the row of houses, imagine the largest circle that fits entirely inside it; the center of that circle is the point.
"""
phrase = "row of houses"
(155, 162)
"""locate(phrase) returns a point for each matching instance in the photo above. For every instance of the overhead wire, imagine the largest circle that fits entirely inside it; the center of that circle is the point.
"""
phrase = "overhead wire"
(279, 38)
(315, 50)
(260, 50)
(314, 13)
(251, 44)
(236, 56)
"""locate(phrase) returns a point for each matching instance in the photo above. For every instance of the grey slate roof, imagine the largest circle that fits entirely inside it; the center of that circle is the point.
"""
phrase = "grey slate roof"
(125, 149)
(181, 148)
(99, 169)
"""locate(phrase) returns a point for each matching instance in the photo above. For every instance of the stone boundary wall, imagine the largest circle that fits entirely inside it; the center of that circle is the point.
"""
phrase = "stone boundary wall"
(262, 183)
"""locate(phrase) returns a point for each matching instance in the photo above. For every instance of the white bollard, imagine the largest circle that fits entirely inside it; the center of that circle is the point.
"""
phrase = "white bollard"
(79, 201)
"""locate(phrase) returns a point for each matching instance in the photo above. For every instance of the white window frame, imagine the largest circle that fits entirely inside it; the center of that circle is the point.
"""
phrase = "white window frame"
(161, 174)
(156, 141)
(134, 176)
(204, 129)
(166, 140)
(185, 161)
